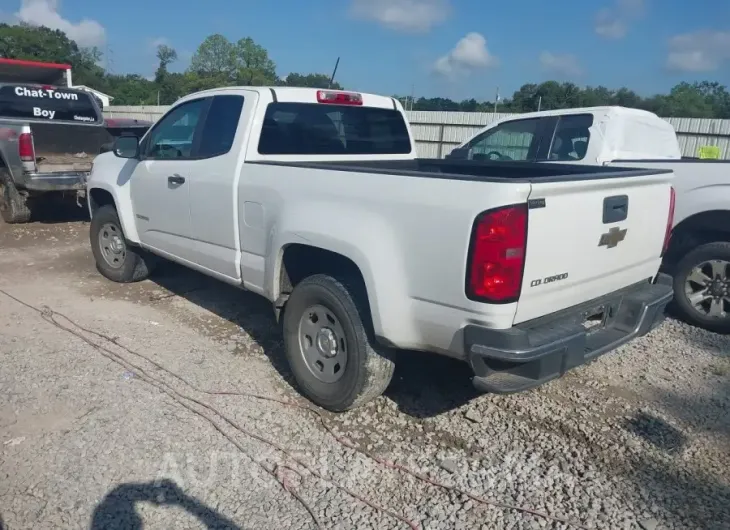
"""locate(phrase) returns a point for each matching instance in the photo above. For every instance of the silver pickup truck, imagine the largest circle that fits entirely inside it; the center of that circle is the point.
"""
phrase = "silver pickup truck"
(48, 138)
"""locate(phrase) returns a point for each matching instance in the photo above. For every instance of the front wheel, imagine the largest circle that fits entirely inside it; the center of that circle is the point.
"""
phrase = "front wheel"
(329, 344)
(702, 287)
(115, 258)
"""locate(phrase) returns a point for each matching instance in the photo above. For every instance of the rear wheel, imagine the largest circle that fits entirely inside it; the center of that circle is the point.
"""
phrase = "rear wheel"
(702, 287)
(329, 344)
(115, 258)
(13, 205)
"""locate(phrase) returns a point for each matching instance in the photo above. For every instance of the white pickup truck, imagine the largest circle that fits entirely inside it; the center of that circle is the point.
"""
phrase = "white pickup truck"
(699, 253)
(315, 200)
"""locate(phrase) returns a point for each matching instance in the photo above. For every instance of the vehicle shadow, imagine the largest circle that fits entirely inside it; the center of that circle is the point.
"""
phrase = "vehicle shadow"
(116, 511)
(57, 210)
(424, 385)
(689, 500)
(247, 310)
(692, 496)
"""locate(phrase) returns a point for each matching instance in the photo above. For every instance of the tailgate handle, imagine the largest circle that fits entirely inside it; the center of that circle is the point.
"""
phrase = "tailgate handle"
(615, 208)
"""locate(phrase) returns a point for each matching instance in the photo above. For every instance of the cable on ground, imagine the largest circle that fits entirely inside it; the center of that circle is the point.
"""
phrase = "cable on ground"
(49, 315)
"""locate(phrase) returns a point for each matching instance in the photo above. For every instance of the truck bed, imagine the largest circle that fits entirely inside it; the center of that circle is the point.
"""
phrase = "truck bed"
(63, 162)
(488, 171)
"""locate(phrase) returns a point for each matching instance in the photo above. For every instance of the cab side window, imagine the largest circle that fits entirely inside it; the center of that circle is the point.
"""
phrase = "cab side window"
(511, 140)
(220, 127)
(173, 136)
(570, 141)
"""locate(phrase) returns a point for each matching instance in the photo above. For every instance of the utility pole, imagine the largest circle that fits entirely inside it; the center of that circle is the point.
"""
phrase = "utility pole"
(413, 91)
(539, 104)
(496, 101)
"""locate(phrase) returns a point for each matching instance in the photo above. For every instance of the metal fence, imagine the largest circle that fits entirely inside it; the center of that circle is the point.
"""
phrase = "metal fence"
(437, 133)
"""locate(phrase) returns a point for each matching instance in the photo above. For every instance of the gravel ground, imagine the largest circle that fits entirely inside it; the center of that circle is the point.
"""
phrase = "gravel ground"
(640, 438)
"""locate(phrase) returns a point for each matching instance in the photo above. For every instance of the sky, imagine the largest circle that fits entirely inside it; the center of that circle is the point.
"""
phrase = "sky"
(450, 48)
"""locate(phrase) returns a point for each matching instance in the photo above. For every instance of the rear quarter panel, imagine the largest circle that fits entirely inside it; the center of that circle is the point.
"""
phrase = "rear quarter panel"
(409, 236)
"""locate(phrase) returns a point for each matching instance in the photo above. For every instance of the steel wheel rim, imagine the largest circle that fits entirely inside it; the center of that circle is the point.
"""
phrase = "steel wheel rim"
(322, 344)
(707, 288)
(112, 245)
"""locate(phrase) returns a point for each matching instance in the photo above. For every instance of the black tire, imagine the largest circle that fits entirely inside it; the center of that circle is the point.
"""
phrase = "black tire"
(369, 367)
(13, 206)
(136, 264)
(682, 305)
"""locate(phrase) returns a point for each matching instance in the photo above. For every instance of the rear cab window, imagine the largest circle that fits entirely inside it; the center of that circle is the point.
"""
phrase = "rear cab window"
(49, 104)
(325, 129)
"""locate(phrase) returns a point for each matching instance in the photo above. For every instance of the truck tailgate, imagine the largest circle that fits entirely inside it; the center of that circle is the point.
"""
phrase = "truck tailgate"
(588, 238)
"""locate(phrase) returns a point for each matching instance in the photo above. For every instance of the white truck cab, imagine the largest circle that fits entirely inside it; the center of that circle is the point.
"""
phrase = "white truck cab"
(316, 200)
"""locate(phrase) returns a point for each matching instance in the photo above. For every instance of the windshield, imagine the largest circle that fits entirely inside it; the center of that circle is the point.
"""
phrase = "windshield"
(35, 103)
(319, 129)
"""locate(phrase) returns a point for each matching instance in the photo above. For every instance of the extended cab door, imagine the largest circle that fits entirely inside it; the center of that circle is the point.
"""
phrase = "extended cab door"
(214, 207)
(160, 183)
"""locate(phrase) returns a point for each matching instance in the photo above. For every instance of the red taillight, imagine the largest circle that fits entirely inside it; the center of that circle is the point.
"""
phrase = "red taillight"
(497, 255)
(339, 98)
(670, 221)
(26, 151)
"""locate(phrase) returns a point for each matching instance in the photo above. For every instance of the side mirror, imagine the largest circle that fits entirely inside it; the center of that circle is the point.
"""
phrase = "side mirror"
(126, 147)
(463, 153)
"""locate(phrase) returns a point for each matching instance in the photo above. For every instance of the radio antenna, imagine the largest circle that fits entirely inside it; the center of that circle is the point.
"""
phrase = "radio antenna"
(332, 79)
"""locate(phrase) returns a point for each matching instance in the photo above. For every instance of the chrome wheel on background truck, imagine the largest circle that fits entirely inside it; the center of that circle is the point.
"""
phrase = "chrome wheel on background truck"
(702, 287)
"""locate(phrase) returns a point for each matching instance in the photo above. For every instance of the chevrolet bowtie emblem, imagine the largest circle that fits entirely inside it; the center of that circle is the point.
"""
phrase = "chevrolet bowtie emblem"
(612, 238)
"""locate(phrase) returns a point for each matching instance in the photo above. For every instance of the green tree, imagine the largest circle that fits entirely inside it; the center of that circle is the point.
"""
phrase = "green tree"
(215, 57)
(40, 43)
(310, 81)
(252, 64)
(166, 56)
(169, 86)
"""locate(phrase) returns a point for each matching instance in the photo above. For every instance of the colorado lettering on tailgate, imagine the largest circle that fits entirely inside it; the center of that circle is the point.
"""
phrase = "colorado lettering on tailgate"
(549, 279)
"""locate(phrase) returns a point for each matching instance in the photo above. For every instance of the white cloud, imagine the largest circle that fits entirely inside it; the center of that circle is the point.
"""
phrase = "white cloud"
(565, 64)
(469, 54)
(86, 32)
(403, 15)
(613, 22)
(699, 51)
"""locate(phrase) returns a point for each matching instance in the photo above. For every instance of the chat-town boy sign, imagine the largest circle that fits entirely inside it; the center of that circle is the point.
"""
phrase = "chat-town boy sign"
(47, 103)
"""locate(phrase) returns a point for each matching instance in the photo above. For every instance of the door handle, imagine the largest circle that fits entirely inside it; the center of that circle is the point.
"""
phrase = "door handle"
(615, 209)
(176, 179)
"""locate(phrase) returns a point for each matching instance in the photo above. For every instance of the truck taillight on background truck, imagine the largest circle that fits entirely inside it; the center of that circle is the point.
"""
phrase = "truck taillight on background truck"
(670, 221)
(26, 151)
(497, 255)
